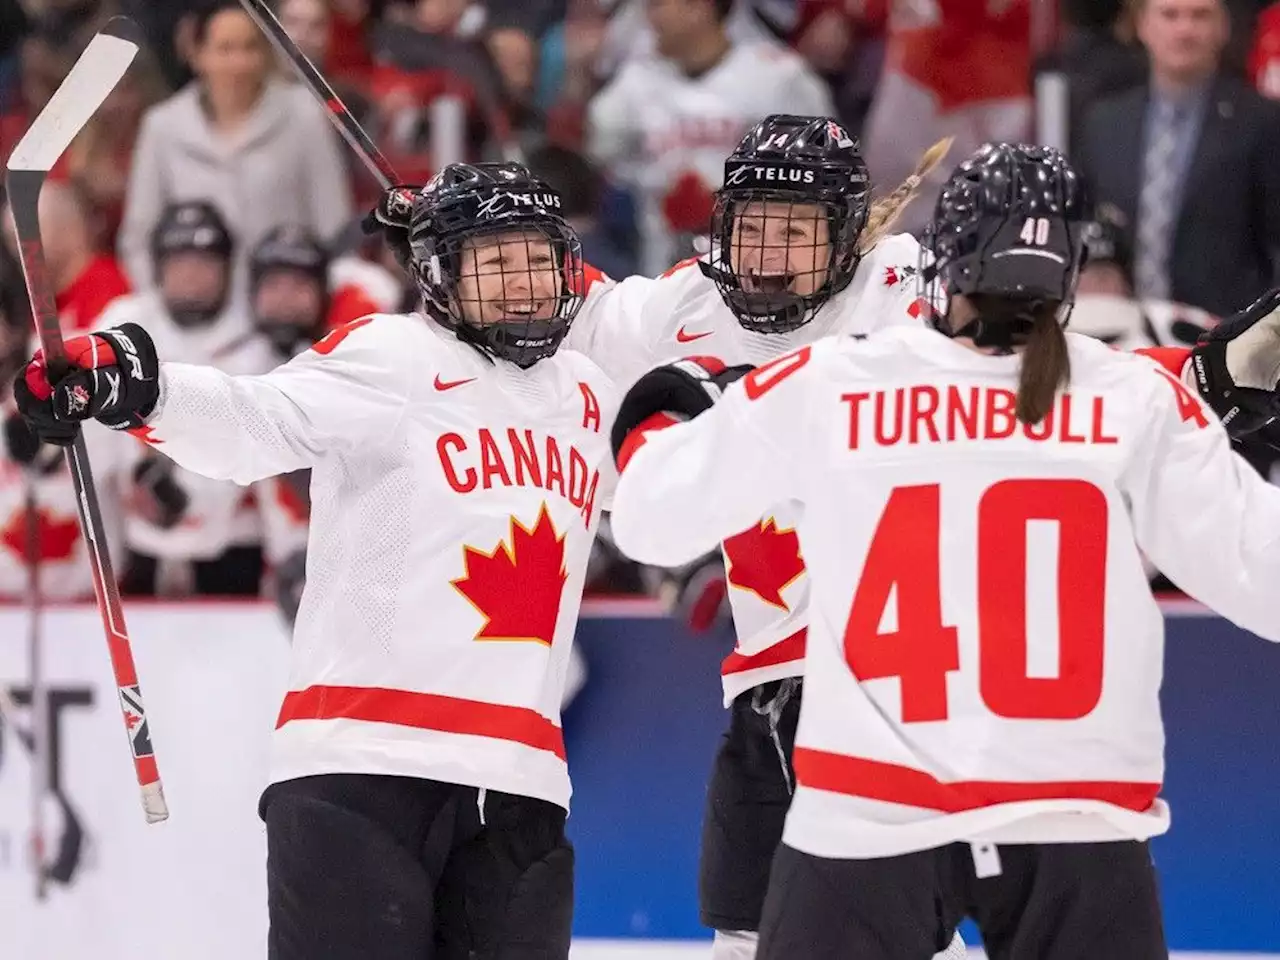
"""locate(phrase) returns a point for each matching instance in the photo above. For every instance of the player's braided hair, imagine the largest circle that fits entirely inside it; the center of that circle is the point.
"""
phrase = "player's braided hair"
(886, 210)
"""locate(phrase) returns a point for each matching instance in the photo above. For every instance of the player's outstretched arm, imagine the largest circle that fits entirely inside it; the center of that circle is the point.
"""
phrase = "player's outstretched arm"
(1235, 368)
(685, 486)
(350, 390)
(1202, 514)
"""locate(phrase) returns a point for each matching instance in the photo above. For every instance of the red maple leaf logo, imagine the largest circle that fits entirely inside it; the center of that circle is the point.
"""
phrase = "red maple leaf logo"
(57, 538)
(688, 204)
(517, 590)
(764, 560)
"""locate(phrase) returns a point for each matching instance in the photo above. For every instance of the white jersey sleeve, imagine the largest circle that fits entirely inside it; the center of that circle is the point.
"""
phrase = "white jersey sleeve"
(618, 328)
(690, 486)
(351, 389)
(1203, 515)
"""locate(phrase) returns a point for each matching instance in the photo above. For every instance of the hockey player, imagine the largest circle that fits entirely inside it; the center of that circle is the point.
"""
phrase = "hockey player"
(459, 468)
(292, 297)
(799, 252)
(942, 769)
(208, 538)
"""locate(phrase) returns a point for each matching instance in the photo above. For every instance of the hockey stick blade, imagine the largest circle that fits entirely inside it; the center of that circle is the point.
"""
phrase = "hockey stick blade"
(347, 125)
(89, 83)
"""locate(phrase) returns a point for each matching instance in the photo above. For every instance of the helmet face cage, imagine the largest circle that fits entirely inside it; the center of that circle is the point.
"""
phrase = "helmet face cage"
(290, 315)
(787, 176)
(512, 290)
(1009, 223)
(495, 260)
(770, 261)
(186, 229)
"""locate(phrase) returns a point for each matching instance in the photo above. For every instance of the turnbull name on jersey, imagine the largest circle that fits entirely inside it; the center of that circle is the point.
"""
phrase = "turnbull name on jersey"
(926, 414)
(486, 458)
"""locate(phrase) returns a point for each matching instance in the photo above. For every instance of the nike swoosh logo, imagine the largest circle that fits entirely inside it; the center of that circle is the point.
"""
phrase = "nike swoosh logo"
(683, 337)
(450, 384)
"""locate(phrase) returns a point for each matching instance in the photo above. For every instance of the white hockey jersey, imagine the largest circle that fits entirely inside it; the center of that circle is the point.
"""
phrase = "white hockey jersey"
(666, 134)
(454, 502)
(65, 571)
(985, 655)
(1129, 324)
(219, 514)
(630, 327)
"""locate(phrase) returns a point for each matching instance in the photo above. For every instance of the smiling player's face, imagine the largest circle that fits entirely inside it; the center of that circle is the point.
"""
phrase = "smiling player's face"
(780, 247)
(510, 277)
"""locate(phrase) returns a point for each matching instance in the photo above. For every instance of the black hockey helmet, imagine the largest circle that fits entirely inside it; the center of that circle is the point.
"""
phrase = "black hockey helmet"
(787, 160)
(527, 310)
(294, 250)
(192, 226)
(1009, 223)
(290, 247)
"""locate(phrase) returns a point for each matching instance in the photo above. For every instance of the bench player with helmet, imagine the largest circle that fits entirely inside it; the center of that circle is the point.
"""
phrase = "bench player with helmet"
(981, 728)
(459, 465)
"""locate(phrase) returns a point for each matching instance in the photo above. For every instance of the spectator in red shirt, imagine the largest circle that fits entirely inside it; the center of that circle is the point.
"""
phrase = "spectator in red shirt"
(84, 278)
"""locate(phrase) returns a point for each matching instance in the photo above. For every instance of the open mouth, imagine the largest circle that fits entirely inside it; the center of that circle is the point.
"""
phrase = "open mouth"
(518, 311)
(767, 283)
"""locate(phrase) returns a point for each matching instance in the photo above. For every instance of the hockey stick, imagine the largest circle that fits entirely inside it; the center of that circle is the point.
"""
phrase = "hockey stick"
(39, 689)
(347, 125)
(89, 83)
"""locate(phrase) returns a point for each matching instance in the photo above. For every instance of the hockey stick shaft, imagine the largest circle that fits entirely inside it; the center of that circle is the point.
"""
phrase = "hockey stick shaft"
(89, 83)
(39, 688)
(347, 125)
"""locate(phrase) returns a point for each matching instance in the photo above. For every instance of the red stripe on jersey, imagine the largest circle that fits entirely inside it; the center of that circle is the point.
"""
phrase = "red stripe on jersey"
(425, 711)
(792, 648)
(146, 434)
(1172, 359)
(678, 266)
(891, 783)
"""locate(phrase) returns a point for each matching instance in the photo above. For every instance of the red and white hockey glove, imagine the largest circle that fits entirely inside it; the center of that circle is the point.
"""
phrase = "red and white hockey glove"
(666, 395)
(113, 376)
(1237, 367)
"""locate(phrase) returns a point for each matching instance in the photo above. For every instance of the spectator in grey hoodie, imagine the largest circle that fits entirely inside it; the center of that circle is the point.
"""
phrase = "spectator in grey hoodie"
(259, 148)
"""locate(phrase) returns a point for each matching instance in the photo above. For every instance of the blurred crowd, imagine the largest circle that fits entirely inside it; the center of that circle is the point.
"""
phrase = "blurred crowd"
(211, 200)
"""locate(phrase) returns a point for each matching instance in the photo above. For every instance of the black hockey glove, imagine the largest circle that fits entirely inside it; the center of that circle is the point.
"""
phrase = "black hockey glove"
(113, 376)
(683, 389)
(1237, 367)
(20, 441)
(391, 219)
(161, 500)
